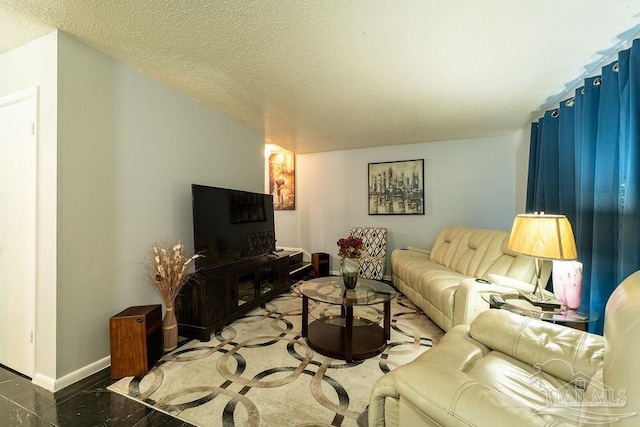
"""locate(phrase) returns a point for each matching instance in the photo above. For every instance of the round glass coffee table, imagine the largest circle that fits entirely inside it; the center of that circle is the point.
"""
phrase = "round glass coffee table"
(336, 331)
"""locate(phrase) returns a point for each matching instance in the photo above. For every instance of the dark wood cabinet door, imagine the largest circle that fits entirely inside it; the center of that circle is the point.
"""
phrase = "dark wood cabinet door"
(215, 296)
(203, 301)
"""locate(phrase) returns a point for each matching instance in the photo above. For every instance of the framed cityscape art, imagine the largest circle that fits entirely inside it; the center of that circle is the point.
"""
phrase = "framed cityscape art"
(396, 188)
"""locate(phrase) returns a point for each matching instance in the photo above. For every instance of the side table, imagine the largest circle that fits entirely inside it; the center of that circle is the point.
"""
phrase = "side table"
(135, 340)
(320, 264)
(577, 319)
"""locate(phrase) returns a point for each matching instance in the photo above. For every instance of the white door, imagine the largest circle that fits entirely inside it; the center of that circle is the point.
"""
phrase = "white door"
(18, 230)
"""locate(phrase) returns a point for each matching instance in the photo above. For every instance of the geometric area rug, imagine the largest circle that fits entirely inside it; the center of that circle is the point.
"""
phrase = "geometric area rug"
(259, 371)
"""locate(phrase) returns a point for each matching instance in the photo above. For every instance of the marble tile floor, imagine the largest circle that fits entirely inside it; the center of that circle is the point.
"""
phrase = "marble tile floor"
(84, 404)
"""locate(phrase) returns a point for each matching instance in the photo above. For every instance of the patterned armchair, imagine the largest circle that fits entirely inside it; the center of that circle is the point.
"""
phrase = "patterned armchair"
(373, 262)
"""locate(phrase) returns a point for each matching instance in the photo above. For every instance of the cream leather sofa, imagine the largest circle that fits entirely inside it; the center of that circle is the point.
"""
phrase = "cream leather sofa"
(441, 281)
(510, 370)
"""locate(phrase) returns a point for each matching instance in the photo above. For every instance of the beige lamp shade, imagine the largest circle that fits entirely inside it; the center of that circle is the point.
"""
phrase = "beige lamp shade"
(543, 236)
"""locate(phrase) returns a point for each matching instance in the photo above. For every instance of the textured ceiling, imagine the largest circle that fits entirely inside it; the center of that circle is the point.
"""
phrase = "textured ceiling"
(328, 75)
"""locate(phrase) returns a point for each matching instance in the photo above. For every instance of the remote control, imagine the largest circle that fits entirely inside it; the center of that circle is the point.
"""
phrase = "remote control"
(533, 298)
(497, 300)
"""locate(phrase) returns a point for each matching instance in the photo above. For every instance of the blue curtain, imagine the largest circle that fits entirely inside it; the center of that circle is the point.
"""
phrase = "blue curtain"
(585, 163)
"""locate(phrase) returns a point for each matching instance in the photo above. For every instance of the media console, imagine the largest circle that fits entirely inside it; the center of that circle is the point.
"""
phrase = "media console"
(299, 269)
(217, 295)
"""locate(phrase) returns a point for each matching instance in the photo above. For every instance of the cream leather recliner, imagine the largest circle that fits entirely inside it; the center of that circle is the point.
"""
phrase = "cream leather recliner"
(509, 370)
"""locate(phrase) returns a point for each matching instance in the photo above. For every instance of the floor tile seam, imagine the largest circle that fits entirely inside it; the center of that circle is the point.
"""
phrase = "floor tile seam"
(42, 406)
(35, 414)
(146, 419)
(63, 397)
(77, 388)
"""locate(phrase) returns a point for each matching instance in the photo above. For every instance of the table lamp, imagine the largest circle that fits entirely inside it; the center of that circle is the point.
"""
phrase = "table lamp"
(543, 237)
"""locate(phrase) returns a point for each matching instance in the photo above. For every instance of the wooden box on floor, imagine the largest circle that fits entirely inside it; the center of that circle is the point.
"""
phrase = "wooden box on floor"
(136, 340)
(320, 263)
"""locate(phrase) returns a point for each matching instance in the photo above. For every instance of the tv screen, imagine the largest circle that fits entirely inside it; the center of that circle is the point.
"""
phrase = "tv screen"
(230, 225)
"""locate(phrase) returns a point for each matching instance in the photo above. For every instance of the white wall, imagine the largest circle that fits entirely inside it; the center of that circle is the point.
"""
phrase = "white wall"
(35, 65)
(522, 167)
(467, 182)
(130, 148)
(117, 154)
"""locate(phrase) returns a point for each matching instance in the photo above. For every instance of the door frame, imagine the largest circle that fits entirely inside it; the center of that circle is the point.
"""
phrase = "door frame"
(6, 101)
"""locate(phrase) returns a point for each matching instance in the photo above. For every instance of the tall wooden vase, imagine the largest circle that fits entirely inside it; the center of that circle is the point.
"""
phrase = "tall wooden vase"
(169, 330)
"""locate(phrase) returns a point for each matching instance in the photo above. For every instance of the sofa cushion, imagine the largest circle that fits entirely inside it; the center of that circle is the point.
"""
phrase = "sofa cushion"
(524, 383)
(438, 285)
(468, 251)
(515, 266)
(432, 285)
(527, 340)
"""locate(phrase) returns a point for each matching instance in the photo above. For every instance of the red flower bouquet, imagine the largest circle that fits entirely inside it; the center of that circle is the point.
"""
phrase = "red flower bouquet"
(351, 247)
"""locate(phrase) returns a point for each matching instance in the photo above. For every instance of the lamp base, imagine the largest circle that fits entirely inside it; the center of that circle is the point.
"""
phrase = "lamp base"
(545, 304)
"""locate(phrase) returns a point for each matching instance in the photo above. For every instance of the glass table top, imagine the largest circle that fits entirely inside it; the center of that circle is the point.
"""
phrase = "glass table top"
(331, 290)
(523, 307)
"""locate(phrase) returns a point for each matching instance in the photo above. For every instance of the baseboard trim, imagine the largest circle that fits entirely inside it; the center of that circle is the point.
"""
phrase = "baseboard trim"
(44, 381)
(54, 385)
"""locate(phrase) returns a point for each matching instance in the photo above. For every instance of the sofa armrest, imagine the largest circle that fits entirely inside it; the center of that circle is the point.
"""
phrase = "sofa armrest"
(451, 397)
(469, 301)
(456, 349)
(510, 283)
(555, 349)
(383, 402)
(417, 249)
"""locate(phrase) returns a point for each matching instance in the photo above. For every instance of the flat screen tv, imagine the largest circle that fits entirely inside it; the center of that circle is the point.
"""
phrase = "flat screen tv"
(231, 225)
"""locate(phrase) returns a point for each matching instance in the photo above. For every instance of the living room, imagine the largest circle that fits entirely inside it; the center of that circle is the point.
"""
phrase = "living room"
(118, 151)
(121, 118)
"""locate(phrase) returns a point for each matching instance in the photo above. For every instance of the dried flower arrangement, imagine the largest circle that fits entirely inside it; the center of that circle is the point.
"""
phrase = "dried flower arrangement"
(169, 272)
(351, 247)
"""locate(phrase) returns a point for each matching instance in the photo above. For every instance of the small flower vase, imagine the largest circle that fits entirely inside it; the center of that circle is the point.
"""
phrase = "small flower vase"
(169, 330)
(350, 267)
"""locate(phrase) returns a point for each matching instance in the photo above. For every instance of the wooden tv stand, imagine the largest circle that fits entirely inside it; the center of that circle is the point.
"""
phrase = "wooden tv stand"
(217, 295)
